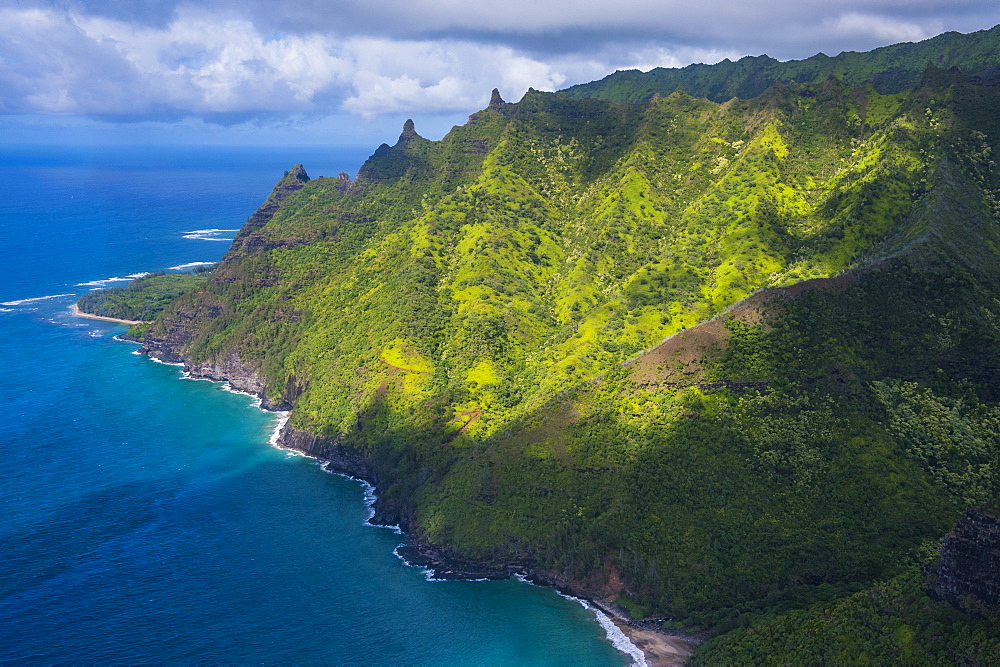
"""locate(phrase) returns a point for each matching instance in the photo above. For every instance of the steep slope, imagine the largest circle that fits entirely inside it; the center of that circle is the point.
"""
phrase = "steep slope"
(465, 324)
(889, 69)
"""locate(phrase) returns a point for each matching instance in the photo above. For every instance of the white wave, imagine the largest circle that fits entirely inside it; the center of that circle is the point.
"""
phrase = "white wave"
(104, 281)
(426, 571)
(189, 265)
(208, 234)
(370, 498)
(142, 274)
(160, 361)
(7, 310)
(278, 425)
(614, 634)
(210, 231)
(21, 302)
(228, 387)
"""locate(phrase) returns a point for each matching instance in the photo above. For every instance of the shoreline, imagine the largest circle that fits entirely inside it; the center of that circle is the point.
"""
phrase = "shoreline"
(658, 646)
(90, 316)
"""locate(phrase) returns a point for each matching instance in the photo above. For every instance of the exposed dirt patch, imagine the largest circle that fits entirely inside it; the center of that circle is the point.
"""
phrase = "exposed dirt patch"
(679, 360)
(469, 415)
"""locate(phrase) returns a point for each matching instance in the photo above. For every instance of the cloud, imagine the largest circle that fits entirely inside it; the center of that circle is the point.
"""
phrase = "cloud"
(395, 75)
(881, 28)
(784, 27)
(60, 62)
(240, 59)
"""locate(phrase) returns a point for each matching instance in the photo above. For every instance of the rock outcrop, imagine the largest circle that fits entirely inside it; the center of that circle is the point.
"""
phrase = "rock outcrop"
(293, 181)
(968, 574)
(496, 102)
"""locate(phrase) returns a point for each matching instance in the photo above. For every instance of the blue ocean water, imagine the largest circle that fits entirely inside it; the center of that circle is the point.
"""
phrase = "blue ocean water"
(144, 517)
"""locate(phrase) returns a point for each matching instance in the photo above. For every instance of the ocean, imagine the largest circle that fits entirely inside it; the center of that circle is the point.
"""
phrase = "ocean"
(144, 517)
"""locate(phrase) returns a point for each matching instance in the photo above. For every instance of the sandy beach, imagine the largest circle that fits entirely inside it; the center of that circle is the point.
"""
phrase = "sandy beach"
(658, 647)
(80, 313)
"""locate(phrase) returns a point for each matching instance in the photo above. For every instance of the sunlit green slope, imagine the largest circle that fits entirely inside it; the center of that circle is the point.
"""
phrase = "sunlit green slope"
(472, 315)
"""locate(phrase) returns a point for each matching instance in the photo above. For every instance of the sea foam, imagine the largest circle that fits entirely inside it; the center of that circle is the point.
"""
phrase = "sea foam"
(614, 634)
(278, 425)
(208, 234)
(189, 265)
(21, 302)
(104, 281)
(426, 571)
(159, 361)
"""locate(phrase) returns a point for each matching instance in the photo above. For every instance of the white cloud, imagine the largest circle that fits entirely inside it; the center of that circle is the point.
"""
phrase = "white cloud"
(438, 75)
(202, 64)
(247, 58)
(888, 30)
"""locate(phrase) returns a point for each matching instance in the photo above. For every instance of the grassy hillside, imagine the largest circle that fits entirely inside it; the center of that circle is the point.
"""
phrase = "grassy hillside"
(484, 317)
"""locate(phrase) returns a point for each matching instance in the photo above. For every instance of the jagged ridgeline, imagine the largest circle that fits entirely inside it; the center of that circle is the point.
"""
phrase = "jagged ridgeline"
(890, 69)
(476, 323)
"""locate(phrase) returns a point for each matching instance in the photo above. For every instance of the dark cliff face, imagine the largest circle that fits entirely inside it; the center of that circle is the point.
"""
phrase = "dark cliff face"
(293, 181)
(168, 341)
(968, 574)
(343, 460)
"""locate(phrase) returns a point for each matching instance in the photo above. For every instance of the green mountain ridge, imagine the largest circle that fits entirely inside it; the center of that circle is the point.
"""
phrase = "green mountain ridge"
(889, 69)
(535, 337)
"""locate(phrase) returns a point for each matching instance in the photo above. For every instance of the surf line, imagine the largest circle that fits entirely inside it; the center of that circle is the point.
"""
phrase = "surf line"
(613, 634)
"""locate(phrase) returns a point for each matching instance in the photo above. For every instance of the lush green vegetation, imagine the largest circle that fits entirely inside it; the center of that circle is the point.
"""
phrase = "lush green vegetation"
(890, 69)
(472, 315)
(891, 623)
(143, 298)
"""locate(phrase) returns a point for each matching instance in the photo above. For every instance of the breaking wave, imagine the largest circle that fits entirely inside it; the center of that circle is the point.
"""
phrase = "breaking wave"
(209, 234)
(189, 265)
(21, 302)
(613, 632)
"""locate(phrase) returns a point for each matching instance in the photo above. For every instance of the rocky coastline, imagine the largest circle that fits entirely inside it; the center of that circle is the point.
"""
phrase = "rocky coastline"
(660, 647)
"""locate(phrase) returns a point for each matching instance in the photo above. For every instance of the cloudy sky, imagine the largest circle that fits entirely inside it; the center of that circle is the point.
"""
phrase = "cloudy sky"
(349, 71)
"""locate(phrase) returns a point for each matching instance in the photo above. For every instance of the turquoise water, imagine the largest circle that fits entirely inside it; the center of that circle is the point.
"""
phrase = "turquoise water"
(143, 516)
